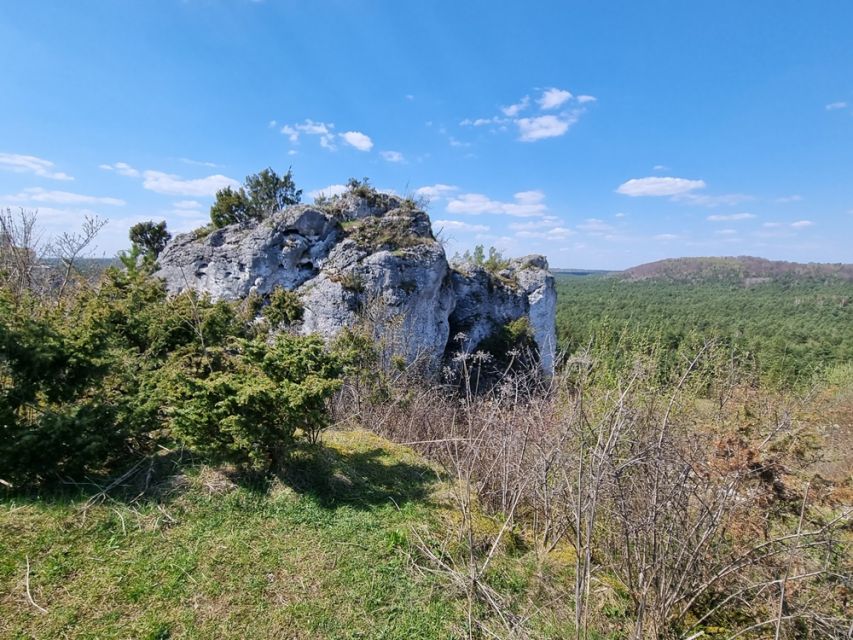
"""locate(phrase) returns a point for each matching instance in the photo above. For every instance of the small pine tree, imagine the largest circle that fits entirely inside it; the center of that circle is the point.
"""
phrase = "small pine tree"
(262, 195)
(149, 238)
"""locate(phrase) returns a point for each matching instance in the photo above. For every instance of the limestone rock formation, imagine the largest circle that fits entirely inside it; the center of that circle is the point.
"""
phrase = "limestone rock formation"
(366, 252)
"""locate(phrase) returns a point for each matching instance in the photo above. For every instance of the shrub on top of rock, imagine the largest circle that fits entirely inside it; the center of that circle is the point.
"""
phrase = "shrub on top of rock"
(261, 195)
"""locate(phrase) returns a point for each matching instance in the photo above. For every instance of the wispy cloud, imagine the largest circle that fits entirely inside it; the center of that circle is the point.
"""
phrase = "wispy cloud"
(309, 127)
(436, 191)
(458, 225)
(187, 204)
(174, 185)
(328, 192)
(121, 168)
(733, 217)
(554, 233)
(514, 109)
(707, 200)
(802, 224)
(199, 163)
(678, 189)
(594, 226)
(791, 198)
(37, 194)
(18, 163)
(392, 156)
(170, 184)
(541, 125)
(525, 204)
(659, 186)
(834, 106)
(665, 237)
(547, 221)
(357, 139)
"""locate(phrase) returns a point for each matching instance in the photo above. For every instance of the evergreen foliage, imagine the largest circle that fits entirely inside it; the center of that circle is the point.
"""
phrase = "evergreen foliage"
(119, 367)
(149, 238)
(262, 194)
(789, 329)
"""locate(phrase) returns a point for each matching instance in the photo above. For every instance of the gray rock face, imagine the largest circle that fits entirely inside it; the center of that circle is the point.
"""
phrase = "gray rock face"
(372, 256)
(485, 302)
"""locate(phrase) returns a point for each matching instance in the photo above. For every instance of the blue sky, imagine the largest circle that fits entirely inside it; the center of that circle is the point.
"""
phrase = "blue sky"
(600, 134)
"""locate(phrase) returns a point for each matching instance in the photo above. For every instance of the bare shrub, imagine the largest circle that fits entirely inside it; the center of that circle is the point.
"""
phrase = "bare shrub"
(688, 494)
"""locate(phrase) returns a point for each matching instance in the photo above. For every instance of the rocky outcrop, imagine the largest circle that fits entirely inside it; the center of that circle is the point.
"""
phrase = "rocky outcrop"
(486, 301)
(366, 254)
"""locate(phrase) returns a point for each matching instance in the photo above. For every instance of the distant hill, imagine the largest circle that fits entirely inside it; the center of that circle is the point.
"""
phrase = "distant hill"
(745, 269)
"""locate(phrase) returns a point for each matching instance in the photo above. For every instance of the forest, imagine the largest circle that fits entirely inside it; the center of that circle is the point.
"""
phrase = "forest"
(790, 329)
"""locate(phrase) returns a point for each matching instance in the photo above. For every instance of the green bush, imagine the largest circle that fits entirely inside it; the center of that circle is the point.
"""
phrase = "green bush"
(262, 194)
(245, 402)
(284, 308)
(56, 414)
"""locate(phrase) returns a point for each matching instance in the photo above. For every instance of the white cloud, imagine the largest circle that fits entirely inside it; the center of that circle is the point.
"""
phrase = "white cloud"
(435, 191)
(187, 204)
(834, 106)
(526, 204)
(772, 225)
(514, 109)
(37, 194)
(314, 128)
(482, 122)
(458, 225)
(555, 233)
(659, 186)
(392, 156)
(328, 192)
(801, 224)
(726, 232)
(594, 225)
(529, 197)
(272, 124)
(308, 127)
(541, 127)
(660, 167)
(410, 97)
(121, 168)
(666, 237)
(173, 185)
(619, 215)
(732, 217)
(358, 140)
(547, 221)
(199, 163)
(705, 200)
(553, 98)
(791, 198)
(18, 163)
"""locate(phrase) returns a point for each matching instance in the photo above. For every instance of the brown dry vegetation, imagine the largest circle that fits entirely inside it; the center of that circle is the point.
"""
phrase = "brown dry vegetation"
(693, 507)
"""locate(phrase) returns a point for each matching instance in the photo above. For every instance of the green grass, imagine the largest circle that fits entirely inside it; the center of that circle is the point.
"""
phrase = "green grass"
(317, 553)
